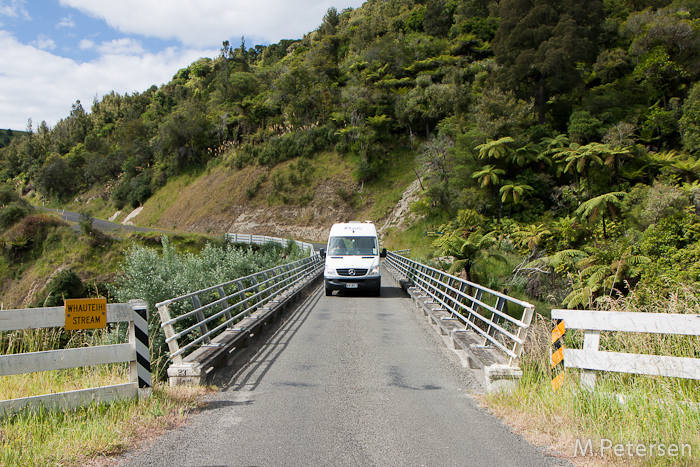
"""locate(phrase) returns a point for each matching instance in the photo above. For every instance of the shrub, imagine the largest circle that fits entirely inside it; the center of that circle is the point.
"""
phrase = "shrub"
(7, 195)
(12, 214)
(65, 284)
(28, 235)
(153, 277)
(298, 144)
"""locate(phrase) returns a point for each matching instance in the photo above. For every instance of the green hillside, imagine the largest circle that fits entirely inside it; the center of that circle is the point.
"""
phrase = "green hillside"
(6, 137)
(566, 133)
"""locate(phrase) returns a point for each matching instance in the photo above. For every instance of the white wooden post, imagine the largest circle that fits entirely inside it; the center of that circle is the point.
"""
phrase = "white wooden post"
(591, 342)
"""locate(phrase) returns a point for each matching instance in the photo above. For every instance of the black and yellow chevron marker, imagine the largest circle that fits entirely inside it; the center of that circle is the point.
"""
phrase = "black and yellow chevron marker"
(557, 362)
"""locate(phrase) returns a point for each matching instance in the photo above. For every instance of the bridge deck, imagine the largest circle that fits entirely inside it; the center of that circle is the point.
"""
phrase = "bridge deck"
(345, 380)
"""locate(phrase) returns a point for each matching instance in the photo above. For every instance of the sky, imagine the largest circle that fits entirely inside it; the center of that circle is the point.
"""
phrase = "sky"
(56, 52)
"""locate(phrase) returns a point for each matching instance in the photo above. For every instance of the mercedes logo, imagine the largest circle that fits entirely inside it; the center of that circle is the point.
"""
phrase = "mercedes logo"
(351, 272)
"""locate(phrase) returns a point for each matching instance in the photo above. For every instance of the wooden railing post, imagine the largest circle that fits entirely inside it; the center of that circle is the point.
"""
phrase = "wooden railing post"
(591, 341)
(528, 313)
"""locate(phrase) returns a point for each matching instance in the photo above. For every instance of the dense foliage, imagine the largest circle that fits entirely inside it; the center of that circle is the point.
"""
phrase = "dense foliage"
(154, 276)
(572, 128)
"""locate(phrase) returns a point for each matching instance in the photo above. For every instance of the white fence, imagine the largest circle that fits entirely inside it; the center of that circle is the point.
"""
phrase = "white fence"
(591, 359)
(135, 352)
(262, 239)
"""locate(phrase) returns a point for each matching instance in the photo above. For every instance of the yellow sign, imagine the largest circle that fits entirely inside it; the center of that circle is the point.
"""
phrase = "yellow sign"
(86, 313)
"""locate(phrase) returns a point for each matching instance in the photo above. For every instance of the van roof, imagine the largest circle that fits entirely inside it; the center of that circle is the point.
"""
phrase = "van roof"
(357, 229)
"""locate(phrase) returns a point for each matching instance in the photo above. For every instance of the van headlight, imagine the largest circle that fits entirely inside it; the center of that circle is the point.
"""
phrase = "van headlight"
(374, 271)
(330, 271)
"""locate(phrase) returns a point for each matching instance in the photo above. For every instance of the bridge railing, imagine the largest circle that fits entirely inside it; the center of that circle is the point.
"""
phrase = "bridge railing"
(227, 313)
(135, 352)
(262, 239)
(498, 320)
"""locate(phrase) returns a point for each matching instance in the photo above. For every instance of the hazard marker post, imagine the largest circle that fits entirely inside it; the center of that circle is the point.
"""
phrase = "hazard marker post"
(557, 351)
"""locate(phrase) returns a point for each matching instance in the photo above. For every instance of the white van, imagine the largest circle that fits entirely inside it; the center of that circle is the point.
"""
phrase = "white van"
(352, 258)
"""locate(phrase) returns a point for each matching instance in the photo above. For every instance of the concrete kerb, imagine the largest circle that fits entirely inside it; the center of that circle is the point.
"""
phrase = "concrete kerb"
(487, 363)
(198, 367)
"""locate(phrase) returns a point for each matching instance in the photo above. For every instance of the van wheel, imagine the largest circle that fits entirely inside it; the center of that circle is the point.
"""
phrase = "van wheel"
(377, 292)
(329, 292)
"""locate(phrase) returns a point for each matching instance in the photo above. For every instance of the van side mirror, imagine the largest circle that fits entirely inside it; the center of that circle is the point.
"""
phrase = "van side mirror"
(382, 254)
(322, 252)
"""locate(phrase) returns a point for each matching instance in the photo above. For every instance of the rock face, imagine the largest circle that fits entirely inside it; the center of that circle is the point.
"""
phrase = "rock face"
(217, 203)
(401, 215)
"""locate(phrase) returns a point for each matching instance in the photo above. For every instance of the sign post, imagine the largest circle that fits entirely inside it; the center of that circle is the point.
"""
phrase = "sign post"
(86, 313)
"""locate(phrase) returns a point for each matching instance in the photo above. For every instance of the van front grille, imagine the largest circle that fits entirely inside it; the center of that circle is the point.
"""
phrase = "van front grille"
(352, 272)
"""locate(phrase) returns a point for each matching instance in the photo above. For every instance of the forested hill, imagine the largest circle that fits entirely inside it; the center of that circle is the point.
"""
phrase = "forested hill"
(568, 128)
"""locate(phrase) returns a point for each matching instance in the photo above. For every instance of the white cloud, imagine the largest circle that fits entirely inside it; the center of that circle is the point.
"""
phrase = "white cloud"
(44, 43)
(206, 24)
(121, 47)
(86, 44)
(66, 22)
(14, 9)
(39, 85)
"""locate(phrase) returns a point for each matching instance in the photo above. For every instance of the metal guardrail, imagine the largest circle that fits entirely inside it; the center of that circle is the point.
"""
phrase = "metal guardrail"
(482, 310)
(262, 239)
(218, 309)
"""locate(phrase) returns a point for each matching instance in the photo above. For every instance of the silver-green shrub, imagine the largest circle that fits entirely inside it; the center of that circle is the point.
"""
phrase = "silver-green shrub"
(155, 277)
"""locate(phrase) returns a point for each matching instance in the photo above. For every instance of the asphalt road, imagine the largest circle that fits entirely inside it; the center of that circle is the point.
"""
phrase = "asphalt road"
(74, 217)
(345, 381)
(69, 216)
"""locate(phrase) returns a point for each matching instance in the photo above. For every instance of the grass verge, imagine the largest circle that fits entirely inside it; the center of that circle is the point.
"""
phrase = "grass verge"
(627, 420)
(93, 435)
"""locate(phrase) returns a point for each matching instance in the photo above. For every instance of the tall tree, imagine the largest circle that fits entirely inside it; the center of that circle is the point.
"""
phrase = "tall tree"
(665, 44)
(594, 207)
(540, 43)
(689, 123)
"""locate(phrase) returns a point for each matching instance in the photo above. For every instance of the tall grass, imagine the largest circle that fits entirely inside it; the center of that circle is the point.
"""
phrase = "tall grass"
(79, 437)
(49, 382)
(643, 414)
(48, 437)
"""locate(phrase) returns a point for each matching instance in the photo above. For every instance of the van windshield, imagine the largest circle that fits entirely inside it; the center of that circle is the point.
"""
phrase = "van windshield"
(352, 246)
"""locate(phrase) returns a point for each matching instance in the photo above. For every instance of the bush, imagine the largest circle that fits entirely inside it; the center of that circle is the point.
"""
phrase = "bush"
(95, 236)
(12, 214)
(134, 191)
(154, 277)
(65, 284)
(28, 235)
(583, 127)
(7, 195)
(250, 192)
(298, 144)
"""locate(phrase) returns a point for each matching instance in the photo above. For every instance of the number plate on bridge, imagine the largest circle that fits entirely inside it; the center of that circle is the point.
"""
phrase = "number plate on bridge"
(351, 285)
